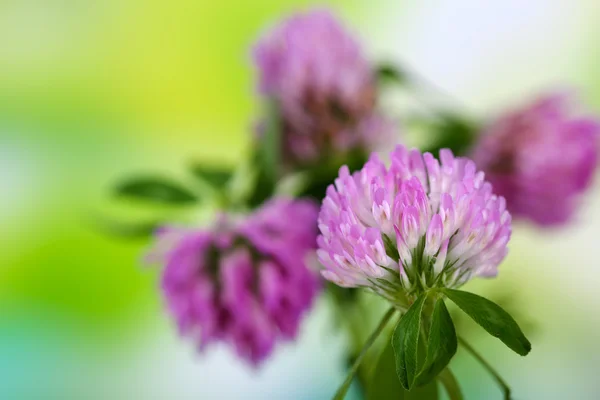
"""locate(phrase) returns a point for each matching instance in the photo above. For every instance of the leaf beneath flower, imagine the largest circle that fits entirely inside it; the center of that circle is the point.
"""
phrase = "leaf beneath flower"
(492, 318)
(441, 346)
(405, 341)
(385, 384)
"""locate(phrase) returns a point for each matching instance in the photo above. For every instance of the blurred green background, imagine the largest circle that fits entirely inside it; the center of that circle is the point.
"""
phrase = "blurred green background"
(94, 90)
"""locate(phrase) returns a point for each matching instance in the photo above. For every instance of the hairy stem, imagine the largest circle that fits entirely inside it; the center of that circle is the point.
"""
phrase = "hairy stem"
(501, 382)
(341, 392)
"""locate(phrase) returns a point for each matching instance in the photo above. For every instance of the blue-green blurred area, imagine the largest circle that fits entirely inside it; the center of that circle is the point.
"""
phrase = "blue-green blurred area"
(91, 91)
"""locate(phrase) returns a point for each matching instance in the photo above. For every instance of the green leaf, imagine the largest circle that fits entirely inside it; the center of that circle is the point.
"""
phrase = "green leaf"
(216, 176)
(385, 385)
(324, 173)
(266, 157)
(427, 392)
(271, 141)
(441, 346)
(448, 380)
(453, 132)
(388, 73)
(492, 318)
(405, 342)
(157, 190)
(126, 230)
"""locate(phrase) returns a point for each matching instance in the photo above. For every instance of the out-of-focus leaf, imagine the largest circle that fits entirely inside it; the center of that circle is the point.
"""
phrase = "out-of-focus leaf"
(323, 174)
(441, 346)
(345, 296)
(453, 132)
(267, 155)
(216, 176)
(388, 73)
(450, 384)
(429, 391)
(492, 318)
(385, 384)
(127, 230)
(405, 341)
(242, 184)
(157, 190)
(270, 148)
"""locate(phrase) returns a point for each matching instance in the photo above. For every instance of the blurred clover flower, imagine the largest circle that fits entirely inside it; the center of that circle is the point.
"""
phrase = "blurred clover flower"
(243, 282)
(413, 226)
(324, 88)
(540, 158)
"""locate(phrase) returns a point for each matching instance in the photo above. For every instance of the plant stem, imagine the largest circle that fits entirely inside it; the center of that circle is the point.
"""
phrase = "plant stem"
(448, 380)
(501, 382)
(341, 392)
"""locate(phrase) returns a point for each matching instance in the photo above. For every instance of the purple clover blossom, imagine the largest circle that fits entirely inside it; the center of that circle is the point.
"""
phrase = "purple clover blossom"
(416, 225)
(540, 159)
(324, 87)
(245, 282)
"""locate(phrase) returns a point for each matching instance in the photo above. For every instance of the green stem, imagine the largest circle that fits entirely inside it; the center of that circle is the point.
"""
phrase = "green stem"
(448, 380)
(341, 392)
(501, 382)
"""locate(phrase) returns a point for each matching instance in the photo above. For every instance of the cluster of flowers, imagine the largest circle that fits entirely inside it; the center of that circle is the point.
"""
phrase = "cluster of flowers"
(417, 224)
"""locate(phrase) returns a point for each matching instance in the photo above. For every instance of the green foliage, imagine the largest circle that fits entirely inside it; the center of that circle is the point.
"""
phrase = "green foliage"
(156, 190)
(385, 385)
(492, 318)
(215, 176)
(448, 380)
(441, 346)
(341, 392)
(322, 174)
(418, 363)
(266, 157)
(454, 132)
(126, 230)
(387, 73)
(405, 342)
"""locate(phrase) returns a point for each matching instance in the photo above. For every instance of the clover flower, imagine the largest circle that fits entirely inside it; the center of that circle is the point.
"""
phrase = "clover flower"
(245, 282)
(540, 158)
(418, 224)
(324, 88)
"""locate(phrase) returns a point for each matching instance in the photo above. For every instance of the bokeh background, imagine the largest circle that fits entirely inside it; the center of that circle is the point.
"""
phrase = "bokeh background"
(93, 90)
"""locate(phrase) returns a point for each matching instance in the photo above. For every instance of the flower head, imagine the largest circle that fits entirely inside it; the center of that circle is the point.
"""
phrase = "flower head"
(247, 282)
(324, 88)
(414, 225)
(540, 159)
